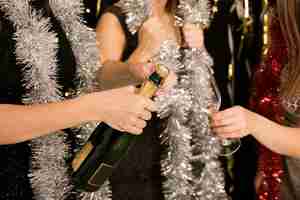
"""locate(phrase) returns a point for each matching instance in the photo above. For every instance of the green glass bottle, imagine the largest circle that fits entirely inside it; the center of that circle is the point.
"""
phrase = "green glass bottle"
(95, 162)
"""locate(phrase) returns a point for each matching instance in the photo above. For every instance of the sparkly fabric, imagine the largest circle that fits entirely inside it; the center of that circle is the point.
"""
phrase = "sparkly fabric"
(280, 173)
(266, 101)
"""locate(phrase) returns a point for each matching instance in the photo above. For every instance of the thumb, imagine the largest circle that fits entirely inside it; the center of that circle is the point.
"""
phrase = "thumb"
(148, 69)
(141, 71)
(130, 89)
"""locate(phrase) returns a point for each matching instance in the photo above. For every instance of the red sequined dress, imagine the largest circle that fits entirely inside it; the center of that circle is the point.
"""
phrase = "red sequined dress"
(266, 101)
(281, 174)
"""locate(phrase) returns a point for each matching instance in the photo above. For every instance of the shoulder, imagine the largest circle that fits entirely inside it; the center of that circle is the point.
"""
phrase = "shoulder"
(113, 13)
(112, 19)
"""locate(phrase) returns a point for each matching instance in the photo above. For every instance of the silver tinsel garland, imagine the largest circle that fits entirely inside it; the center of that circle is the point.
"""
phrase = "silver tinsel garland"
(190, 163)
(36, 49)
(195, 12)
(208, 182)
(83, 41)
(175, 163)
(136, 11)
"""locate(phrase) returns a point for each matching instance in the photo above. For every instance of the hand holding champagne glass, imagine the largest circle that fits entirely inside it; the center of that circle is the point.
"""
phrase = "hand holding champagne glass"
(230, 146)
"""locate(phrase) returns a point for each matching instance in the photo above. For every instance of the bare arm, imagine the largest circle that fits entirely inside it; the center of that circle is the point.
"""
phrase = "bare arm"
(116, 74)
(122, 109)
(281, 139)
(111, 42)
(237, 122)
(19, 123)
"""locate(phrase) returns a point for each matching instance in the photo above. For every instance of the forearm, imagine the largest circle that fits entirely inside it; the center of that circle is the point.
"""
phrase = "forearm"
(281, 139)
(20, 123)
(141, 54)
(116, 74)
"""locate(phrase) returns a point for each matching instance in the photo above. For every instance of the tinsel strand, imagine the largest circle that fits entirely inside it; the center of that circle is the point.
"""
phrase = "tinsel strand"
(208, 177)
(36, 49)
(176, 138)
(177, 165)
(190, 162)
(136, 11)
(83, 41)
(197, 12)
(82, 38)
(208, 181)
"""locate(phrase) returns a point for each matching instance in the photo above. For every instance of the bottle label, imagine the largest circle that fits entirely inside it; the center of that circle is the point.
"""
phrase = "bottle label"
(81, 156)
(148, 89)
(100, 175)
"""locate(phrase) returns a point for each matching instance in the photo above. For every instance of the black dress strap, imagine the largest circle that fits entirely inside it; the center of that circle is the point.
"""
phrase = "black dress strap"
(131, 39)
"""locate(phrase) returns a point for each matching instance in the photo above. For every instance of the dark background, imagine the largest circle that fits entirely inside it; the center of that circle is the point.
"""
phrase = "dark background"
(216, 40)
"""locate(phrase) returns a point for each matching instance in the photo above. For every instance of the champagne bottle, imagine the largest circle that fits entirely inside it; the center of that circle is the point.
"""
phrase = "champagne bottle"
(95, 162)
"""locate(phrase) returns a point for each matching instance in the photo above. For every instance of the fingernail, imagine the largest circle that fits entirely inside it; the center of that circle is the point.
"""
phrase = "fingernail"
(159, 92)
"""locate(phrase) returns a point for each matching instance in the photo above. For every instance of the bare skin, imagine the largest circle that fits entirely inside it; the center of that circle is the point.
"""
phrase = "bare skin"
(158, 28)
(120, 108)
(237, 122)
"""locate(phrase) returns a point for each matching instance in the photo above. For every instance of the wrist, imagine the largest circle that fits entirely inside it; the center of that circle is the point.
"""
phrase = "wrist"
(87, 107)
(140, 55)
(259, 124)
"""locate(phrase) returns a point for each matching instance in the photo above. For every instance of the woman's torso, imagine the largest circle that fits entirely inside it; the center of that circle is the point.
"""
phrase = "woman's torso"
(138, 175)
(15, 164)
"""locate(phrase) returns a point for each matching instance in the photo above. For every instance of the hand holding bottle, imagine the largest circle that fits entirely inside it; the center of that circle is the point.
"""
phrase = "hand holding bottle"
(145, 70)
(122, 109)
(103, 151)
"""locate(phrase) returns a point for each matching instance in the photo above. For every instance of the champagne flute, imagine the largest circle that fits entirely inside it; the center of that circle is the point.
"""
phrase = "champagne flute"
(229, 146)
